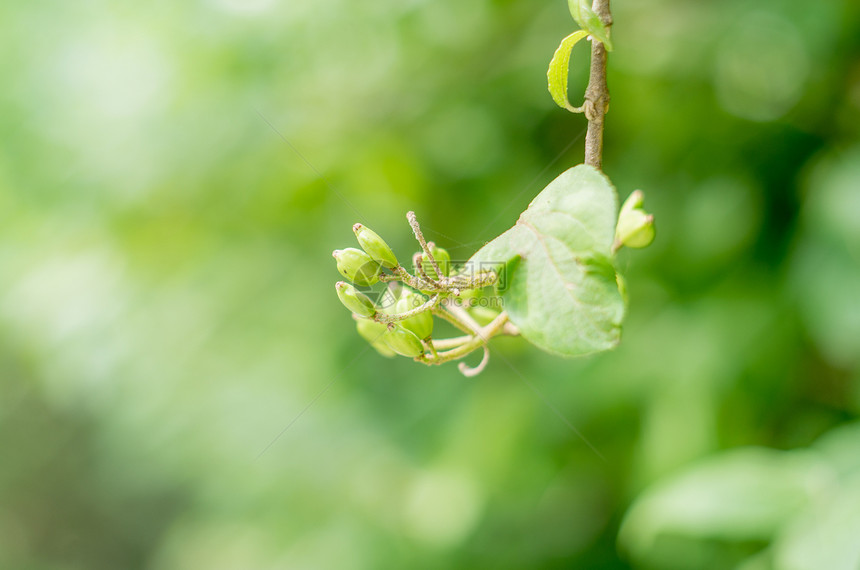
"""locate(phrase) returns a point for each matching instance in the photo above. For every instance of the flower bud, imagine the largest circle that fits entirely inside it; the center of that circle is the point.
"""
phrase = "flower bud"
(357, 266)
(355, 300)
(373, 332)
(388, 298)
(375, 246)
(442, 257)
(635, 227)
(634, 201)
(403, 342)
(422, 323)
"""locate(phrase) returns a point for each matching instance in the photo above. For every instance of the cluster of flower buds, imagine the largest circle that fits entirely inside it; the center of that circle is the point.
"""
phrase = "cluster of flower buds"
(403, 337)
(363, 267)
(635, 226)
(400, 321)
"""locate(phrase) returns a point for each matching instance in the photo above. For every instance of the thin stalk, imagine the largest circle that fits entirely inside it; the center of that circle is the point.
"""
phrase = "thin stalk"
(480, 339)
(453, 319)
(446, 343)
(472, 371)
(461, 314)
(426, 306)
(597, 92)
(416, 229)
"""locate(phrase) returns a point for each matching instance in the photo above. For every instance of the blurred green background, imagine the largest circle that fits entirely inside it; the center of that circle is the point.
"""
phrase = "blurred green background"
(167, 304)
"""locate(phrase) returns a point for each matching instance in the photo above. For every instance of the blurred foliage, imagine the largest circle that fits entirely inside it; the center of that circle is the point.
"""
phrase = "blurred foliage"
(166, 307)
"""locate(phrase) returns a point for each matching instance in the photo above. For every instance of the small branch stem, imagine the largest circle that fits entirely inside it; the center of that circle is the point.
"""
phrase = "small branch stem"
(480, 339)
(511, 329)
(441, 285)
(461, 314)
(597, 92)
(446, 343)
(451, 318)
(429, 304)
(471, 372)
(416, 229)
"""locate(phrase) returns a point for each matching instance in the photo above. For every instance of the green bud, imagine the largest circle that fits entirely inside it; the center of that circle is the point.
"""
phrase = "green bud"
(635, 227)
(375, 246)
(355, 300)
(357, 266)
(386, 301)
(443, 259)
(422, 323)
(403, 342)
(634, 201)
(373, 332)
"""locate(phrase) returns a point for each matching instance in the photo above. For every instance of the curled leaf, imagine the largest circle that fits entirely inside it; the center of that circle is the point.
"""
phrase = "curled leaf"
(556, 75)
(589, 21)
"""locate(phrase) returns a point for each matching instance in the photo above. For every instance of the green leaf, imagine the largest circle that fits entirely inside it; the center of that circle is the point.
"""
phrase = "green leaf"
(826, 535)
(556, 75)
(589, 21)
(839, 446)
(745, 494)
(560, 285)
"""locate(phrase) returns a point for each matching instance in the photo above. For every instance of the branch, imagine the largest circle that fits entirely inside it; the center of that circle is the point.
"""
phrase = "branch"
(380, 317)
(416, 229)
(597, 92)
(481, 337)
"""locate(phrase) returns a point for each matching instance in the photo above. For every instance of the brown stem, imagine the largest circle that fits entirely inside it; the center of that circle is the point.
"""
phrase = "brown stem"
(597, 92)
(416, 229)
